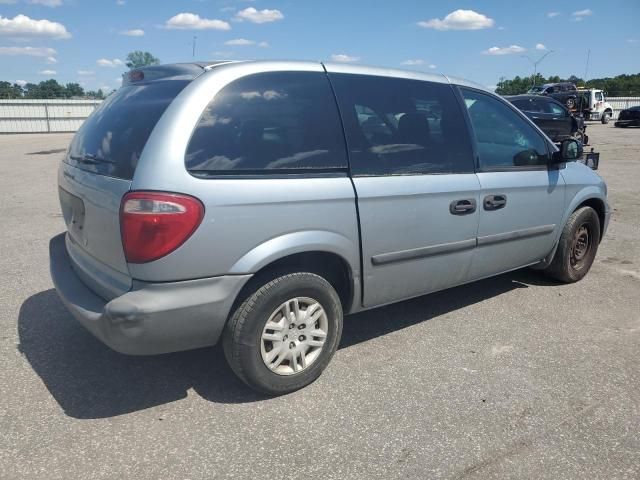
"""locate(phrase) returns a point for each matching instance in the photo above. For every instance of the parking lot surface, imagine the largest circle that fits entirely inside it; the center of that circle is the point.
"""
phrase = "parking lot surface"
(511, 377)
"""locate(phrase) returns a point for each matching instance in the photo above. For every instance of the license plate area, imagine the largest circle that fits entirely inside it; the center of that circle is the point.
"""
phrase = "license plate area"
(73, 212)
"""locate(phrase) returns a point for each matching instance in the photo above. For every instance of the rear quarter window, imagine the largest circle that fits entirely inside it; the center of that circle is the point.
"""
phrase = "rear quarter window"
(272, 122)
(111, 140)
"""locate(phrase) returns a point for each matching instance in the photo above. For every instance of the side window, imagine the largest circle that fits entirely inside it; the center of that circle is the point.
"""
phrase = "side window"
(599, 96)
(396, 126)
(556, 109)
(275, 121)
(504, 139)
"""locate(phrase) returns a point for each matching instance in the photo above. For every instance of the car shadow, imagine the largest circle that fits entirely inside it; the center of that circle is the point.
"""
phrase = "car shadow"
(89, 380)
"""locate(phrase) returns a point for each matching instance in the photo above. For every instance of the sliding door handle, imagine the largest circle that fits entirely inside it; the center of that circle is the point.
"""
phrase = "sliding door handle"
(463, 207)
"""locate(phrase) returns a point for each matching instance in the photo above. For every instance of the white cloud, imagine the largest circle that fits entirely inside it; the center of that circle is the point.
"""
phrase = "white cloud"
(27, 51)
(252, 15)
(431, 65)
(105, 62)
(51, 60)
(120, 2)
(553, 14)
(581, 15)
(22, 83)
(47, 3)
(263, 45)
(22, 26)
(460, 20)
(136, 32)
(240, 42)
(191, 21)
(413, 62)
(344, 58)
(86, 73)
(632, 40)
(47, 72)
(540, 46)
(8, 2)
(510, 50)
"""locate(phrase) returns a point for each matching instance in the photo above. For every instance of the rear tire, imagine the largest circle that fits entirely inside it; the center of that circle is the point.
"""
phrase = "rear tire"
(571, 103)
(284, 358)
(577, 247)
(605, 118)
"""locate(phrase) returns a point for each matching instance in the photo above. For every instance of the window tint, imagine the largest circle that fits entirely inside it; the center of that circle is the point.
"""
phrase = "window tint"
(111, 140)
(400, 126)
(529, 104)
(504, 139)
(277, 121)
(553, 107)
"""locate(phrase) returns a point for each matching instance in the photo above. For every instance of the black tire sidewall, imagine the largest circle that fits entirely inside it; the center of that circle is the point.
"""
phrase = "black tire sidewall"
(563, 270)
(245, 354)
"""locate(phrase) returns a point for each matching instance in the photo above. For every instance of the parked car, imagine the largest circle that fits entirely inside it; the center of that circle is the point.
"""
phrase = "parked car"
(259, 202)
(629, 117)
(565, 92)
(551, 116)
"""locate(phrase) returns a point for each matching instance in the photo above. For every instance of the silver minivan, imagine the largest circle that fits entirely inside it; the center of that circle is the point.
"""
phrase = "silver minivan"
(258, 202)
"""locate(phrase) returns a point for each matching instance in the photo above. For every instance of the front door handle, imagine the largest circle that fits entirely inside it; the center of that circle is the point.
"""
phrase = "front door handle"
(494, 202)
(463, 207)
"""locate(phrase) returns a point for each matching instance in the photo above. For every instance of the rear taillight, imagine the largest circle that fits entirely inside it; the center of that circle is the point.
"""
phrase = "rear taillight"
(154, 224)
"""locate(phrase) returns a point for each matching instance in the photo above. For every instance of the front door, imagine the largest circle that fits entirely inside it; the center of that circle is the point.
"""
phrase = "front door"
(521, 196)
(413, 172)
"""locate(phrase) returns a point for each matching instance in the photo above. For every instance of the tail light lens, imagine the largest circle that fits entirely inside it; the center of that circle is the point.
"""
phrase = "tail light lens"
(154, 224)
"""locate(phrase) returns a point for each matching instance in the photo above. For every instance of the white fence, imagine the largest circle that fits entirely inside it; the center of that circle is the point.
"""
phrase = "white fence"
(48, 116)
(620, 103)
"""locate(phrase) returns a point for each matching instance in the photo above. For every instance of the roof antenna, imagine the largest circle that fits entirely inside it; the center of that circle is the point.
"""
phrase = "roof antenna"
(193, 51)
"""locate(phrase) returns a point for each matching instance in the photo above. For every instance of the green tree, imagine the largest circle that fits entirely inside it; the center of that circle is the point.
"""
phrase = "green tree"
(139, 59)
(95, 94)
(73, 90)
(46, 89)
(7, 90)
(619, 86)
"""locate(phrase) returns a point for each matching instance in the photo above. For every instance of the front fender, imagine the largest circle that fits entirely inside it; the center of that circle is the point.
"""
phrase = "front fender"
(589, 192)
(298, 242)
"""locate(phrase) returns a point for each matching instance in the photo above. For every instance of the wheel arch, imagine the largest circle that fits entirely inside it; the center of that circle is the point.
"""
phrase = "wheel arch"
(327, 254)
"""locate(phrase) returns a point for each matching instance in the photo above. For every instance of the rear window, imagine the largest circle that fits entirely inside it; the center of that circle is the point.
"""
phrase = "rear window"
(111, 140)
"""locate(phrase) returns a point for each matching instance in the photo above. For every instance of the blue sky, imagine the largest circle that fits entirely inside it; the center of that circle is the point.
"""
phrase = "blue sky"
(86, 41)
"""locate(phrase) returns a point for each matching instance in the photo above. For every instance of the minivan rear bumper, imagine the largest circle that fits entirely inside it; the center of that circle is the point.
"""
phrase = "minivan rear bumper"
(152, 318)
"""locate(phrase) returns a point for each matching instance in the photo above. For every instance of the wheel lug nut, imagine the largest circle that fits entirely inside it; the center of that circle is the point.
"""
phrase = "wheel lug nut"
(292, 345)
(285, 337)
(302, 338)
(292, 325)
(302, 326)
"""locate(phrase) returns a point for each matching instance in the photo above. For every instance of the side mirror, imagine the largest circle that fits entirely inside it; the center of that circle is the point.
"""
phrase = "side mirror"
(570, 150)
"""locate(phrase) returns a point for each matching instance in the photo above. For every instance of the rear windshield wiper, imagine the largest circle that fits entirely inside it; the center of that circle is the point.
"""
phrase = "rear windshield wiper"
(89, 159)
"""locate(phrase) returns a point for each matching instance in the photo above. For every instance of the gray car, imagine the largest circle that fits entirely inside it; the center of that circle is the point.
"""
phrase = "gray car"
(257, 203)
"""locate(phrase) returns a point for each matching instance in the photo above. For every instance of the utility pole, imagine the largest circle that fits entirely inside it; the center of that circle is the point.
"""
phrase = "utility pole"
(193, 51)
(535, 64)
(586, 68)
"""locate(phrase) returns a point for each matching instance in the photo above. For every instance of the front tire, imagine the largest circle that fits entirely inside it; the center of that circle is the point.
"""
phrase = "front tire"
(605, 118)
(283, 336)
(577, 247)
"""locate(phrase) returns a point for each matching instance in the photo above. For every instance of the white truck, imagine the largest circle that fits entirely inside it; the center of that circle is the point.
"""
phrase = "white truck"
(593, 105)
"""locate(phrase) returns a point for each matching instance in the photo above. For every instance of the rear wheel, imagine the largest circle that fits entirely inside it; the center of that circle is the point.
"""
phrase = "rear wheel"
(571, 103)
(283, 336)
(606, 116)
(577, 247)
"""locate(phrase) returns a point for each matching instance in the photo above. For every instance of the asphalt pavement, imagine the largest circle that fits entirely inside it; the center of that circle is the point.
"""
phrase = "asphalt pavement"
(511, 377)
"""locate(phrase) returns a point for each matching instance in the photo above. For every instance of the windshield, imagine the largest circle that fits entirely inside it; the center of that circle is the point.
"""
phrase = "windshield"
(111, 140)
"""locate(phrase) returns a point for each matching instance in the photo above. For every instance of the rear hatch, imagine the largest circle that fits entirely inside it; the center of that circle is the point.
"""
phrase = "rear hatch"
(99, 167)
